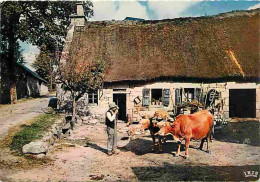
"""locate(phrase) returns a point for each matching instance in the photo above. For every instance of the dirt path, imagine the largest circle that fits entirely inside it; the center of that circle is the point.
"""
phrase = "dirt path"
(14, 114)
(82, 157)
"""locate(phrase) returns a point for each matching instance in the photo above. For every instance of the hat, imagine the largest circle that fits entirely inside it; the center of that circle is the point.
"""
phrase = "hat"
(112, 105)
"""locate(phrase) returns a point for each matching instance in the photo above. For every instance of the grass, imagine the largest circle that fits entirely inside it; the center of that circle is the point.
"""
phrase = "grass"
(32, 131)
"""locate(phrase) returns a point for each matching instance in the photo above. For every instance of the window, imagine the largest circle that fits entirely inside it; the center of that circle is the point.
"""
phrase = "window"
(189, 94)
(93, 97)
(156, 95)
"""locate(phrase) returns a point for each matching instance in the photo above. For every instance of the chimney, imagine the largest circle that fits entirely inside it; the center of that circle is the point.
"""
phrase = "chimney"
(80, 11)
(78, 18)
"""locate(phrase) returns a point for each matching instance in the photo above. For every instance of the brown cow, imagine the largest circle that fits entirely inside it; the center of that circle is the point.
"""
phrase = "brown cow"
(152, 124)
(194, 126)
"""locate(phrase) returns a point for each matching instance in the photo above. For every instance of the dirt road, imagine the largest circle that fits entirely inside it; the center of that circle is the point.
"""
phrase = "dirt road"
(82, 157)
(14, 114)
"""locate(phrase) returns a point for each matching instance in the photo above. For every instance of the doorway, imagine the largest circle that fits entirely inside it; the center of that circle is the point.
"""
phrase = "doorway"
(120, 100)
(242, 103)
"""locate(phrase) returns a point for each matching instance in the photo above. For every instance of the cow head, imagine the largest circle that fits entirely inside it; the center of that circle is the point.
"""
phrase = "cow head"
(163, 124)
(164, 129)
(145, 123)
(172, 128)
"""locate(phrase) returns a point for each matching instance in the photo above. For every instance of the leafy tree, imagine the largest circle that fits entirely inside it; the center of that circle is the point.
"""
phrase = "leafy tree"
(79, 76)
(37, 22)
(45, 65)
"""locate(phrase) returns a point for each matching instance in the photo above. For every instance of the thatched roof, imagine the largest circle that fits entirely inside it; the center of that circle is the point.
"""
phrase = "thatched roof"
(222, 46)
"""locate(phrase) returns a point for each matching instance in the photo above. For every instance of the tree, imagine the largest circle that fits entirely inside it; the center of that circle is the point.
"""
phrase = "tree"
(37, 22)
(45, 65)
(78, 75)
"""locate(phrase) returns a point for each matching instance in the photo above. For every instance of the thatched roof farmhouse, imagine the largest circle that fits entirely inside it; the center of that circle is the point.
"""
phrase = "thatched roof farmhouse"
(150, 58)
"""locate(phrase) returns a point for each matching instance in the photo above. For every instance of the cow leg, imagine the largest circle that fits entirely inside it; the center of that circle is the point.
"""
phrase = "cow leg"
(208, 139)
(160, 143)
(179, 149)
(201, 144)
(164, 139)
(187, 143)
(153, 145)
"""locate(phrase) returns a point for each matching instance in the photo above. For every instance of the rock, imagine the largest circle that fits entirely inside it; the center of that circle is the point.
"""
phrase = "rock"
(79, 121)
(67, 126)
(40, 156)
(85, 120)
(49, 139)
(96, 177)
(38, 147)
(93, 121)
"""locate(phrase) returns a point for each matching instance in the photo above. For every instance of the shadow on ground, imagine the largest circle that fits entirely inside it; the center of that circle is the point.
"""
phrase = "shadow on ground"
(169, 172)
(246, 132)
(143, 146)
(96, 147)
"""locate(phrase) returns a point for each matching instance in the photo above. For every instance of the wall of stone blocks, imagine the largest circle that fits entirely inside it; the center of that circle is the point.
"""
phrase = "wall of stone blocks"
(133, 91)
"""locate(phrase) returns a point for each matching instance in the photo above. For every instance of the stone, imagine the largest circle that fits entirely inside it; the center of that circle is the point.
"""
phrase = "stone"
(37, 147)
(67, 126)
(49, 139)
(93, 121)
(40, 156)
(86, 118)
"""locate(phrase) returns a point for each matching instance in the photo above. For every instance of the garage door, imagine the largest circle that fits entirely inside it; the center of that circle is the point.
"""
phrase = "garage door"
(242, 103)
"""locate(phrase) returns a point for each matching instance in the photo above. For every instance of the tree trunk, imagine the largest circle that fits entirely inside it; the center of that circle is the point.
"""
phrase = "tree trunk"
(73, 111)
(11, 70)
(73, 108)
(13, 94)
(11, 65)
(51, 82)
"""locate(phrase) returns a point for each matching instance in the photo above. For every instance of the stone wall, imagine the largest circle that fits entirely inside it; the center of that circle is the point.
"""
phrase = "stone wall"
(106, 96)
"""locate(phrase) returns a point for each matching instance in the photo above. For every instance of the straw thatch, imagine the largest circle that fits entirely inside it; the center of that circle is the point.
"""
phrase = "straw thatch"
(222, 46)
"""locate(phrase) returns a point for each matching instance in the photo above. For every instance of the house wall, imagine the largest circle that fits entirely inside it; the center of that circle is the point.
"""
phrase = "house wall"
(43, 88)
(33, 87)
(133, 91)
(22, 89)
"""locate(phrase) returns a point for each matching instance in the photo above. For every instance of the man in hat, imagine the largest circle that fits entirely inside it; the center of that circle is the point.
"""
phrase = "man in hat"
(111, 122)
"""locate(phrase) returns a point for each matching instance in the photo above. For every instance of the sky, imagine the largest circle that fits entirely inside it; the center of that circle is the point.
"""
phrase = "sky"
(153, 10)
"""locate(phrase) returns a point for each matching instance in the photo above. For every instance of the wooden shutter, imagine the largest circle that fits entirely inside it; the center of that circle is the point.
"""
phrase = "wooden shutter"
(178, 97)
(166, 97)
(146, 97)
(197, 92)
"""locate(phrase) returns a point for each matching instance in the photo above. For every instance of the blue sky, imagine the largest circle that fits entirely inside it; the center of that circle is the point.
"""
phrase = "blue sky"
(151, 10)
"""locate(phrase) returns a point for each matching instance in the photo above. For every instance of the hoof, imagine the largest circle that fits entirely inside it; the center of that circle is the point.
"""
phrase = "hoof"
(186, 157)
(208, 151)
(176, 155)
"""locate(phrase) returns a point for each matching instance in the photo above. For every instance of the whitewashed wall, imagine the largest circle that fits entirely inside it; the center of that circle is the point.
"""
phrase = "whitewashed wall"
(106, 96)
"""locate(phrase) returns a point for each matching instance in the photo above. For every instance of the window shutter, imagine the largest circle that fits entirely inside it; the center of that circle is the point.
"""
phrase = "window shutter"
(166, 97)
(197, 93)
(146, 97)
(178, 98)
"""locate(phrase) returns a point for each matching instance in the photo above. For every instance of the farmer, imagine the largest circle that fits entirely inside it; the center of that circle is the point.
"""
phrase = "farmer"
(111, 122)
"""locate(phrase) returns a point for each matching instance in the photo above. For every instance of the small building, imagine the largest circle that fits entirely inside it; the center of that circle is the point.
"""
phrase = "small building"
(161, 64)
(29, 84)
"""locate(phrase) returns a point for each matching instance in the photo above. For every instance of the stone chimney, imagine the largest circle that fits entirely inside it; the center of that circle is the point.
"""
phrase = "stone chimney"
(79, 18)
